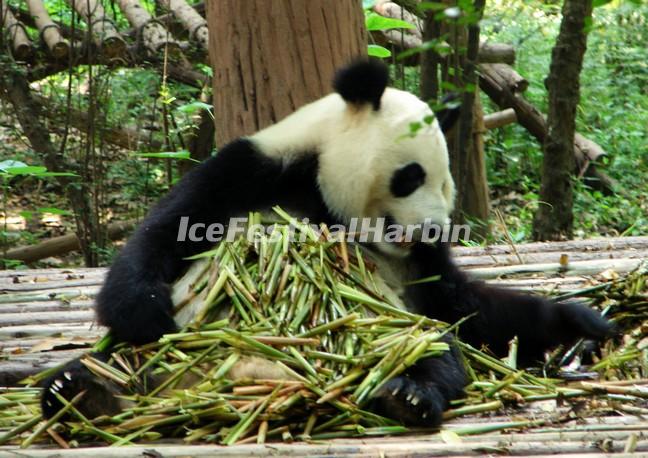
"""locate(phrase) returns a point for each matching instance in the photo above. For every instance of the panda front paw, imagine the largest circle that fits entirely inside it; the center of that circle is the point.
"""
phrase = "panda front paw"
(136, 313)
(579, 320)
(409, 401)
(71, 380)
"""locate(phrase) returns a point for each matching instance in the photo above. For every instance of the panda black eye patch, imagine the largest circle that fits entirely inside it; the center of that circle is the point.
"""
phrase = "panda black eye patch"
(407, 179)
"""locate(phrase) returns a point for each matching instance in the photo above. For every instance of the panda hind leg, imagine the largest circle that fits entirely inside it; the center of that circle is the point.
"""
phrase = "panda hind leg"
(100, 397)
(419, 396)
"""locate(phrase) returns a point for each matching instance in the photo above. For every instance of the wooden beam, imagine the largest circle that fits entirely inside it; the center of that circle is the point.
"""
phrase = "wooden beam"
(154, 37)
(106, 36)
(500, 118)
(504, 88)
(60, 245)
(190, 19)
(21, 46)
(50, 33)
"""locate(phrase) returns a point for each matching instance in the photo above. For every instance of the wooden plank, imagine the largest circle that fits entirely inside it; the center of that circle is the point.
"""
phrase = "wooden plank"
(598, 244)
(61, 273)
(551, 256)
(48, 330)
(47, 306)
(369, 447)
(50, 285)
(53, 317)
(579, 267)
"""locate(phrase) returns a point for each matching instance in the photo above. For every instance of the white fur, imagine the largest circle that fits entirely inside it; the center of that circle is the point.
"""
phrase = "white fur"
(359, 149)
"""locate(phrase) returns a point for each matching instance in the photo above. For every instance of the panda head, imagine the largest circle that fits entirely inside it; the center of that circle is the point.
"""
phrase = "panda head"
(370, 163)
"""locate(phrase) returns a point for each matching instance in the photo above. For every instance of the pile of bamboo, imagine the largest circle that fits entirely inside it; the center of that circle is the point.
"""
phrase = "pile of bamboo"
(312, 310)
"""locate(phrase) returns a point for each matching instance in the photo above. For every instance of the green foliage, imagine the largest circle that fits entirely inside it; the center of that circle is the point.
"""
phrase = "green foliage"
(374, 22)
(613, 112)
(168, 155)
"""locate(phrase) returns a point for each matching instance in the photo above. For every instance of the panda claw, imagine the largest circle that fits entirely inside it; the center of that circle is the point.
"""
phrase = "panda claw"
(424, 415)
(415, 400)
(58, 383)
(67, 375)
(395, 391)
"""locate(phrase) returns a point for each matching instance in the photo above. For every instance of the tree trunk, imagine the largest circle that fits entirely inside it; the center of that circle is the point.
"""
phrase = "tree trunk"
(465, 145)
(271, 57)
(554, 218)
(15, 89)
(430, 59)
(504, 86)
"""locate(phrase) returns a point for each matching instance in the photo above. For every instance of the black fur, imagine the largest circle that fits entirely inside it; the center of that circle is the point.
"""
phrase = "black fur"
(423, 392)
(539, 323)
(407, 179)
(99, 399)
(362, 82)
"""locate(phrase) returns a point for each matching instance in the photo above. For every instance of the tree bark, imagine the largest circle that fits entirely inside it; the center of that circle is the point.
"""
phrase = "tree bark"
(554, 218)
(271, 57)
(430, 60)
(471, 170)
(465, 145)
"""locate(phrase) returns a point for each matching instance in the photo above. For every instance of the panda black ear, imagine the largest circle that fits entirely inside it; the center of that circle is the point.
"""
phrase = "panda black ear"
(363, 81)
(448, 115)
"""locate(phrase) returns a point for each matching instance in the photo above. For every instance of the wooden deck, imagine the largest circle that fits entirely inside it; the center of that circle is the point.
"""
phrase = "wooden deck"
(46, 318)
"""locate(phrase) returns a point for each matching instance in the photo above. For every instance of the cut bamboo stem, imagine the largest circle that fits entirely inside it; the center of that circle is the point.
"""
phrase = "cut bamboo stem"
(193, 22)
(105, 34)
(50, 33)
(153, 35)
(21, 46)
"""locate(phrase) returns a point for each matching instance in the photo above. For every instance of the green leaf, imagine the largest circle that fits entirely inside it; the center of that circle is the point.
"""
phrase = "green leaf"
(597, 3)
(167, 155)
(26, 170)
(54, 211)
(414, 127)
(375, 22)
(193, 107)
(378, 51)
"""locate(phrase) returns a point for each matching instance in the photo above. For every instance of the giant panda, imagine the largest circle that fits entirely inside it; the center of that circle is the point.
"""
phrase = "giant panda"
(346, 155)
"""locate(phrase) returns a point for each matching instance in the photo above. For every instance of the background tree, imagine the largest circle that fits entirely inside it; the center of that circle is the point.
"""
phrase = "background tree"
(269, 58)
(554, 218)
(457, 72)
